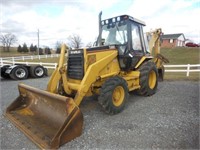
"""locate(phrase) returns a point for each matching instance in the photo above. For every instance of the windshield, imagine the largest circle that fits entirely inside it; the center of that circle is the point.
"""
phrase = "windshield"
(115, 33)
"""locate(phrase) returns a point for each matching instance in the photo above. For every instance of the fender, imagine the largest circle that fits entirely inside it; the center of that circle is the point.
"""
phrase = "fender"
(142, 60)
(10, 68)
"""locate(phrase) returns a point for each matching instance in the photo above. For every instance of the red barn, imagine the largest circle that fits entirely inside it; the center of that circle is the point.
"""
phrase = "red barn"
(172, 40)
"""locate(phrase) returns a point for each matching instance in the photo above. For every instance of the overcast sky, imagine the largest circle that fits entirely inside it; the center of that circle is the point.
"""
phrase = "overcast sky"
(57, 19)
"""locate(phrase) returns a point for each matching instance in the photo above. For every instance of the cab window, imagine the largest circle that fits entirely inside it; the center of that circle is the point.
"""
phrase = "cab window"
(136, 40)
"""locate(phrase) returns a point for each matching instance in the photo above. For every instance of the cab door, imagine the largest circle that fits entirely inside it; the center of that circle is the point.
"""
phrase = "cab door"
(137, 43)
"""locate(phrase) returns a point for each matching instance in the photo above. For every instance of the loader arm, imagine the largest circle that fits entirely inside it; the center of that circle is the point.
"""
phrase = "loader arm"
(59, 74)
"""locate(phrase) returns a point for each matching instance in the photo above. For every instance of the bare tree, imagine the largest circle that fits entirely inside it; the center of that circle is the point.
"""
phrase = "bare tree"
(58, 47)
(7, 40)
(89, 45)
(58, 44)
(75, 41)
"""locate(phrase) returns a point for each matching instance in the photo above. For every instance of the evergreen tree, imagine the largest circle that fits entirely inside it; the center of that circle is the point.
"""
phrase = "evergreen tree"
(31, 48)
(24, 48)
(58, 47)
(58, 50)
(19, 49)
(47, 50)
(35, 48)
(41, 51)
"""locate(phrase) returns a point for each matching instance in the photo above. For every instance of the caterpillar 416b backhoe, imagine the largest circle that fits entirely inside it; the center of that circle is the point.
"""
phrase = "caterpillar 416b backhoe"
(120, 62)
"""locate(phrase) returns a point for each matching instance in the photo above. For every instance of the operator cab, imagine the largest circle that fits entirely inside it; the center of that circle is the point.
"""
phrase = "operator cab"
(126, 33)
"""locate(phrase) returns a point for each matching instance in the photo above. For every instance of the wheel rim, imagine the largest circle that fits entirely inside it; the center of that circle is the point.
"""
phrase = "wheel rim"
(152, 79)
(20, 73)
(118, 96)
(39, 71)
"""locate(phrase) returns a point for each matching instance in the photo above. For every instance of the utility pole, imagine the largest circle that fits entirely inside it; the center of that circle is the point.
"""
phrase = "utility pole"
(38, 42)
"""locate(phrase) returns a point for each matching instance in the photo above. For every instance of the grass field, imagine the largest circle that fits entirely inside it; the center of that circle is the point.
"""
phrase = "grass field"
(12, 53)
(180, 55)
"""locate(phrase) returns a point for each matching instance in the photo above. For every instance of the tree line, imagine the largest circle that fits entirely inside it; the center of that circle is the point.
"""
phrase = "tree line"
(73, 41)
(33, 49)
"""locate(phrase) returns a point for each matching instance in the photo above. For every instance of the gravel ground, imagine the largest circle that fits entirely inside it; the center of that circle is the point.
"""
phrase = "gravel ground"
(167, 120)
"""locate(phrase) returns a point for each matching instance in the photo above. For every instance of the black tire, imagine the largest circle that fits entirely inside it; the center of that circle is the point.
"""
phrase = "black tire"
(37, 71)
(19, 73)
(148, 79)
(113, 88)
(46, 71)
(3, 72)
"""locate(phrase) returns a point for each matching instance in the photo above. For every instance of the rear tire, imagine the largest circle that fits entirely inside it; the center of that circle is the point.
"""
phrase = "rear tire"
(37, 71)
(148, 79)
(3, 72)
(113, 95)
(19, 73)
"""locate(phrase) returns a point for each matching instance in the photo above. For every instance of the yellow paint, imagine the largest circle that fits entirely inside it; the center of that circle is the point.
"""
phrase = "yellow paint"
(59, 73)
(93, 71)
(152, 79)
(25, 112)
(154, 43)
(118, 96)
(99, 65)
(132, 79)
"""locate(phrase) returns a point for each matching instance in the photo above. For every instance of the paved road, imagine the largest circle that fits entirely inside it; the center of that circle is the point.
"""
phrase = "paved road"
(169, 119)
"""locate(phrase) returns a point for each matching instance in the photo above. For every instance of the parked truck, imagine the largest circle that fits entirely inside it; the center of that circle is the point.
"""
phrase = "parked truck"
(22, 71)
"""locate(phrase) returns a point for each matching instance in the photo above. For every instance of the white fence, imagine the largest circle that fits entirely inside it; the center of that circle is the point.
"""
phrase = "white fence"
(183, 68)
(28, 57)
(13, 60)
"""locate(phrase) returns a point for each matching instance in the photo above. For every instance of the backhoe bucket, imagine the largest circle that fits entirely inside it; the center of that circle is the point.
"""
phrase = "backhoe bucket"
(49, 120)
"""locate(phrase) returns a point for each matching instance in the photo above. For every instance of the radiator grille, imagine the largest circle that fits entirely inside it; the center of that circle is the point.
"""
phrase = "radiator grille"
(76, 64)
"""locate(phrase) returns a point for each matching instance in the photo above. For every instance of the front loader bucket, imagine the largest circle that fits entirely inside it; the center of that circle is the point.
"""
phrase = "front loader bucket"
(49, 120)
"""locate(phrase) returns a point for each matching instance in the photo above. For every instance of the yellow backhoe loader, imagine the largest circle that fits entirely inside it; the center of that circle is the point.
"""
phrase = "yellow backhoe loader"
(120, 62)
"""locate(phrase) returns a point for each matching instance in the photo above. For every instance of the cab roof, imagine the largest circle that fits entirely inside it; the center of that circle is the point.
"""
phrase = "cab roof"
(124, 17)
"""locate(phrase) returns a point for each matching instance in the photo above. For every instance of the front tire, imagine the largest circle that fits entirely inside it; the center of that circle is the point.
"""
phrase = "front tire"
(148, 79)
(113, 95)
(19, 73)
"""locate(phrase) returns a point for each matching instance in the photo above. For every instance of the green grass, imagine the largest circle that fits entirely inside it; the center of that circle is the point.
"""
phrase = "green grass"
(12, 53)
(181, 56)
(194, 76)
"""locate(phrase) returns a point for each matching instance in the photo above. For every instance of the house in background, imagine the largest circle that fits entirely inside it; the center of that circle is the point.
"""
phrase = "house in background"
(172, 40)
